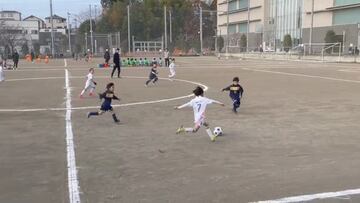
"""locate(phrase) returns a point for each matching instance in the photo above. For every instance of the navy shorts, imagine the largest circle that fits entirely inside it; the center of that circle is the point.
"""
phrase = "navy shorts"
(106, 107)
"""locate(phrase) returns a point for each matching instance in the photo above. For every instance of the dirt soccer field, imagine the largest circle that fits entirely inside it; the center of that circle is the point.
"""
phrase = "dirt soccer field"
(295, 137)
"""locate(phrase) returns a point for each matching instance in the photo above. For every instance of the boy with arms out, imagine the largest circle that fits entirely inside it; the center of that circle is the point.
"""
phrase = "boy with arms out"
(235, 94)
(199, 104)
(172, 68)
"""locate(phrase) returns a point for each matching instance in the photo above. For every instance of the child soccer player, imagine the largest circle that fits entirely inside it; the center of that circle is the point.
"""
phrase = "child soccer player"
(108, 96)
(153, 75)
(172, 68)
(90, 83)
(199, 104)
(235, 94)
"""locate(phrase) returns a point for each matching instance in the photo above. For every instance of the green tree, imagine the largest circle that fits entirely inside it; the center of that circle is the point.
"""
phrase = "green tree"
(220, 42)
(287, 42)
(330, 37)
(243, 43)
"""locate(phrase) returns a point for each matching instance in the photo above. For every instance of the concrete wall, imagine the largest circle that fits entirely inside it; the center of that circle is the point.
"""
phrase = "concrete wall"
(351, 34)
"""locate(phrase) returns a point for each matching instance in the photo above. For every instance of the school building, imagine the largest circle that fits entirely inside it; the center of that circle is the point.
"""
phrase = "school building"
(266, 22)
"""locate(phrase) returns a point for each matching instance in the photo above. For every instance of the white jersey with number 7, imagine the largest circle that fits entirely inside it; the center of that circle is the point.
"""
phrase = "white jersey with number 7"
(199, 104)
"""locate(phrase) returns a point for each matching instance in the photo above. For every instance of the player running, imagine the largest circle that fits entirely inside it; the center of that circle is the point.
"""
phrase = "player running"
(199, 104)
(108, 96)
(236, 92)
(153, 75)
(172, 69)
(90, 83)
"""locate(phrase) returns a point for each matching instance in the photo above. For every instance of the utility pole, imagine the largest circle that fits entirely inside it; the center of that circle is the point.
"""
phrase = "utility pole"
(201, 31)
(69, 32)
(52, 30)
(248, 27)
(129, 40)
(275, 24)
(165, 21)
(86, 41)
(91, 33)
(311, 28)
(170, 25)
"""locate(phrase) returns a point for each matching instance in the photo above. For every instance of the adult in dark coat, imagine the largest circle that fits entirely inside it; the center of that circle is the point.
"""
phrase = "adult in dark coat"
(107, 56)
(116, 59)
(16, 59)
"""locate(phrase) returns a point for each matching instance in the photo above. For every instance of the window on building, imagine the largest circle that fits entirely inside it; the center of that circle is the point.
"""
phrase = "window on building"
(10, 15)
(242, 27)
(243, 4)
(347, 16)
(2, 15)
(346, 2)
(233, 5)
(34, 32)
(232, 29)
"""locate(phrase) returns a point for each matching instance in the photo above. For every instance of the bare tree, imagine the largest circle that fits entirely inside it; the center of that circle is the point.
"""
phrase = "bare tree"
(11, 36)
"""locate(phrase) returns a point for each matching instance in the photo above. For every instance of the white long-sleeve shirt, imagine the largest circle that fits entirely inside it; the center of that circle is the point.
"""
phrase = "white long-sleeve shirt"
(199, 104)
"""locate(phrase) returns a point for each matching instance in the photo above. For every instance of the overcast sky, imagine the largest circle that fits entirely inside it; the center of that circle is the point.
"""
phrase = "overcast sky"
(41, 8)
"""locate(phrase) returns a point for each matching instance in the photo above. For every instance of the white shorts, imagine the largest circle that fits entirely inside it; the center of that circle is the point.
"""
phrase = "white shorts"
(89, 85)
(200, 121)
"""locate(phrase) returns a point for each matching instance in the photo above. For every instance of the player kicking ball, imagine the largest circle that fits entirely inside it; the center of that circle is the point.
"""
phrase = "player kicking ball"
(199, 104)
(108, 96)
(90, 84)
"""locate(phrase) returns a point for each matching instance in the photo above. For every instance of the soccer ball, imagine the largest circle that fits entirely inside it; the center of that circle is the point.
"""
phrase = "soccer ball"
(218, 131)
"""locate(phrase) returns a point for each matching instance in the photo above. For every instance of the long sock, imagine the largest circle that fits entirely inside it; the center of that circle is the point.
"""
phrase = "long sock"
(208, 130)
(116, 120)
(82, 92)
(93, 114)
(189, 130)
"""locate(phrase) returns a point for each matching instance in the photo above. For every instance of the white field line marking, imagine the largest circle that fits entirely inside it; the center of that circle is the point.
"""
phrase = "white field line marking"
(65, 63)
(304, 198)
(116, 105)
(350, 71)
(303, 75)
(73, 183)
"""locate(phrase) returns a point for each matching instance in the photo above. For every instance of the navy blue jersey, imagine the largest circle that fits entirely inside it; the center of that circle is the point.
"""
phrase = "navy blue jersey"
(235, 90)
(153, 73)
(108, 96)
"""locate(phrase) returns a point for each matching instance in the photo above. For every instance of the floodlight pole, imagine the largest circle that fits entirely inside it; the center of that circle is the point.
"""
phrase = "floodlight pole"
(201, 31)
(52, 30)
(69, 32)
(311, 27)
(170, 14)
(129, 40)
(165, 27)
(248, 27)
(227, 28)
(91, 33)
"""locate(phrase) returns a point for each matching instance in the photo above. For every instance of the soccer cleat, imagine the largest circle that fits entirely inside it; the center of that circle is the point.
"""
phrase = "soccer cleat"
(180, 130)
(89, 114)
(213, 138)
(81, 96)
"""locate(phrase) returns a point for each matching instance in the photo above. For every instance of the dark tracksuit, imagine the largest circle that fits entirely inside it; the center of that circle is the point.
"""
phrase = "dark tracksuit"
(235, 94)
(16, 60)
(107, 57)
(152, 76)
(116, 59)
(108, 96)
